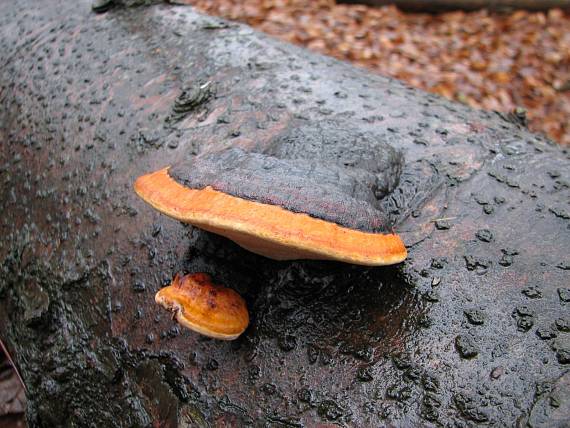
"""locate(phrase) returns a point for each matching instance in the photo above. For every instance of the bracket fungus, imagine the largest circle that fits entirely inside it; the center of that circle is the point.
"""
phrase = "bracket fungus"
(202, 306)
(280, 208)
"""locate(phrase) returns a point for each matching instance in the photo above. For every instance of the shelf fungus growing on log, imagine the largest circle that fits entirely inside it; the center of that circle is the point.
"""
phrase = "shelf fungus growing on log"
(202, 306)
(281, 208)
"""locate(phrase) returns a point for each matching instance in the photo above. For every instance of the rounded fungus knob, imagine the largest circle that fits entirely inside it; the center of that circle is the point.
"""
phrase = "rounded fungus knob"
(204, 307)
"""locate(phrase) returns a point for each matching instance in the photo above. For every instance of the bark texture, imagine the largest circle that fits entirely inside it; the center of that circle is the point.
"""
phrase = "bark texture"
(472, 328)
(444, 5)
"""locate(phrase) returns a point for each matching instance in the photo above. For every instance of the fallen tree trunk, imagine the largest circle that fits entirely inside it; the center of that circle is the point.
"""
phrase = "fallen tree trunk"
(471, 328)
(446, 5)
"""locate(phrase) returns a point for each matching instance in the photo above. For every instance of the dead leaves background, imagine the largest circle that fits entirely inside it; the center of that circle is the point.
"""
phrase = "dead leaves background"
(490, 61)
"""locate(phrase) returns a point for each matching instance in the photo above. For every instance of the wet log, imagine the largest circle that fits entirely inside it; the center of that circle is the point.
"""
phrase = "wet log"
(471, 328)
(467, 5)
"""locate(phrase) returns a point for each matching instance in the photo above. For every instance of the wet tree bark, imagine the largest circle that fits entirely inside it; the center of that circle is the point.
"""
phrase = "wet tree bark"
(472, 328)
(444, 5)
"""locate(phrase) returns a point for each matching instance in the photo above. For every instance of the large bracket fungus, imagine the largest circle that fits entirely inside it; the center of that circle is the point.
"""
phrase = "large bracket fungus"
(296, 199)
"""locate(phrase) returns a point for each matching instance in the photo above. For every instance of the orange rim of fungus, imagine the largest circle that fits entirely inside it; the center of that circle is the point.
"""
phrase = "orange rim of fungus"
(267, 229)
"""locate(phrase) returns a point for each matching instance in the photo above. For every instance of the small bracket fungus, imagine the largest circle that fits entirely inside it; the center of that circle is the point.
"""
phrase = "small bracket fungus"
(275, 208)
(204, 307)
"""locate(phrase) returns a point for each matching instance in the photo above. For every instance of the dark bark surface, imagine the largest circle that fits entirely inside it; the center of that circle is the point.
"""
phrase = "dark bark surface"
(445, 5)
(471, 328)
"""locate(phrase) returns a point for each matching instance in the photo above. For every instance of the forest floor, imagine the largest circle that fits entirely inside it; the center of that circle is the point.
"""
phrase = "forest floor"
(12, 399)
(489, 61)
